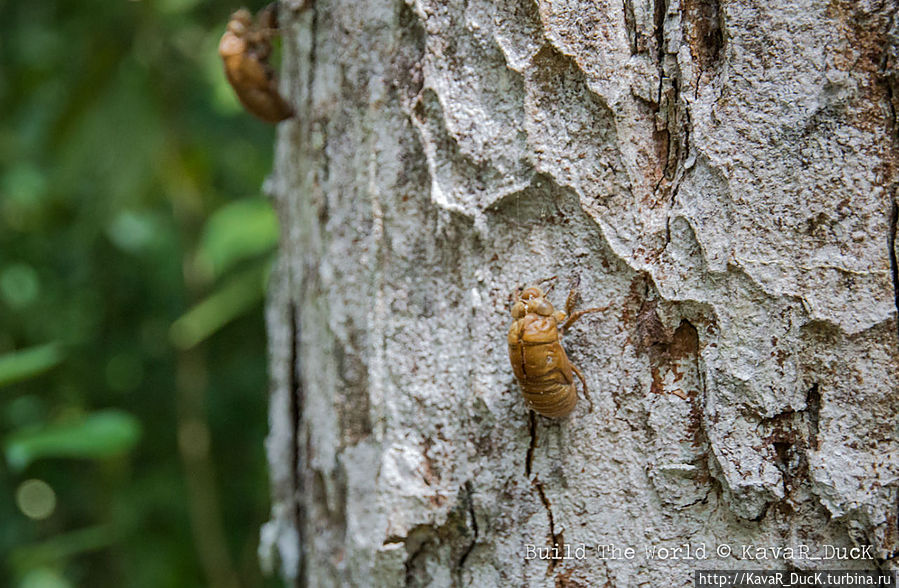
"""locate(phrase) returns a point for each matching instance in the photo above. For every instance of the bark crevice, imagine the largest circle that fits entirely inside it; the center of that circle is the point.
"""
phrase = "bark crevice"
(813, 410)
(556, 540)
(889, 77)
(469, 491)
(296, 400)
(532, 445)
(894, 264)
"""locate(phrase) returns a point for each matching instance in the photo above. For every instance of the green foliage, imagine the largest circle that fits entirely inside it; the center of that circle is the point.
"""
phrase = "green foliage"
(134, 247)
(98, 435)
(28, 363)
(241, 294)
(66, 545)
(236, 231)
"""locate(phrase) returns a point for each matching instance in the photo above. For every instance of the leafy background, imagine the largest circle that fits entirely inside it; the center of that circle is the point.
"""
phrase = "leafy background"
(134, 249)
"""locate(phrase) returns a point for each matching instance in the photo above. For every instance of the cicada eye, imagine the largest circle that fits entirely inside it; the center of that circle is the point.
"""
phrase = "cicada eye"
(518, 310)
(240, 22)
(531, 293)
(542, 307)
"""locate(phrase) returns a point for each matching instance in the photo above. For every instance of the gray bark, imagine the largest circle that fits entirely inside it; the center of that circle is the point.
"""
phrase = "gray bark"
(721, 175)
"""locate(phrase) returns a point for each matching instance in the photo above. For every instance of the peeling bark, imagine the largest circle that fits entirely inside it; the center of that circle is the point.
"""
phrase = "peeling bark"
(721, 175)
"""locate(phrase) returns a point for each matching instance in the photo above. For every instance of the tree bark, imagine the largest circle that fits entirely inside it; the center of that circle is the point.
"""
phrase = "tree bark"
(720, 174)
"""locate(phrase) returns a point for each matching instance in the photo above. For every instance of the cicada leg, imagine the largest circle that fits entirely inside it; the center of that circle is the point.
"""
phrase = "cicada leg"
(575, 316)
(570, 302)
(549, 279)
(584, 384)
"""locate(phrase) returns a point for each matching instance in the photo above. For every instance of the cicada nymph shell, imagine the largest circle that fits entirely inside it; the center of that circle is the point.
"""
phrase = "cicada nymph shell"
(245, 48)
(542, 368)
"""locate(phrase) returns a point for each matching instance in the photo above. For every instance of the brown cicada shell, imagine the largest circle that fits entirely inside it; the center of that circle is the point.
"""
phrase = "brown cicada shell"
(535, 349)
(245, 48)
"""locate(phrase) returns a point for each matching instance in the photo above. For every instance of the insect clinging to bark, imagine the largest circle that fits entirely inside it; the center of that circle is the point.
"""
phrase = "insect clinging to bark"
(245, 48)
(541, 367)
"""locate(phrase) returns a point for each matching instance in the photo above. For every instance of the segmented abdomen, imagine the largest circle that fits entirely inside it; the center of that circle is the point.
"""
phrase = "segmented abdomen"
(541, 366)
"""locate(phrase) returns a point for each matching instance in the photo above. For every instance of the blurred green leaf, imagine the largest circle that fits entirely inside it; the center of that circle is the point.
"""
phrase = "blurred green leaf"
(237, 231)
(27, 410)
(120, 137)
(23, 188)
(44, 578)
(32, 558)
(176, 6)
(19, 285)
(27, 363)
(101, 434)
(124, 372)
(24, 183)
(134, 231)
(241, 294)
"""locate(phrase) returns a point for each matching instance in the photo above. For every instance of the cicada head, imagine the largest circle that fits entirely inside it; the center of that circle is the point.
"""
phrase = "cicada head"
(531, 299)
(241, 22)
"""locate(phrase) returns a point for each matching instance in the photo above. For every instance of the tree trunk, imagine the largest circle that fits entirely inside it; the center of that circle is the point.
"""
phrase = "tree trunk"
(721, 175)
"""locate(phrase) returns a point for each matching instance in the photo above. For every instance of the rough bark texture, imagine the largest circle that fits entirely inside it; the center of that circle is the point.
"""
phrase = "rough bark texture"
(720, 173)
